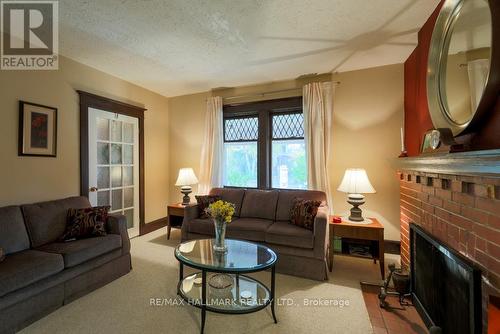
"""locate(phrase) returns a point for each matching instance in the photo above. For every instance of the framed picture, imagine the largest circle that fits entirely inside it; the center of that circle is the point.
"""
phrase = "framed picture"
(37, 130)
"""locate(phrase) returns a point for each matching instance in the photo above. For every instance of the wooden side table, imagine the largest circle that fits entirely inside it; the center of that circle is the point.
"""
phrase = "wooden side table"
(175, 215)
(373, 233)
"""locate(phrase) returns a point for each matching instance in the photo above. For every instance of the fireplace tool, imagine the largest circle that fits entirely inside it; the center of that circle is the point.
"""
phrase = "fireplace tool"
(401, 280)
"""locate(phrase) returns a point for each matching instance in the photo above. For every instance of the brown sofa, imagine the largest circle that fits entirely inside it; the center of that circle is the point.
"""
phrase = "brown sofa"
(263, 216)
(40, 274)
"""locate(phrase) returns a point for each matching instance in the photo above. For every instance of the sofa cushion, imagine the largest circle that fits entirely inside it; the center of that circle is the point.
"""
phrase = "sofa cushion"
(284, 233)
(85, 223)
(201, 226)
(203, 203)
(259, 204)
(79, 251)
(13, 234)
(230, 195)
(21, 269)
(249, 229)
(46, 221)
(303, 213)
(286, 197)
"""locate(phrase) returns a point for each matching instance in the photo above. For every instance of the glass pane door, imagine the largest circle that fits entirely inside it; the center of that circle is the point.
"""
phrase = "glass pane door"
(114, 164)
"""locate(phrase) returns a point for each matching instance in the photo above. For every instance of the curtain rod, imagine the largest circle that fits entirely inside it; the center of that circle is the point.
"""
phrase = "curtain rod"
(268, 93)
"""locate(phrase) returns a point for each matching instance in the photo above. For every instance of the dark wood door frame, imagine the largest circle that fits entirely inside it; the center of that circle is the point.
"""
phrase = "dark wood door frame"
(89, 100)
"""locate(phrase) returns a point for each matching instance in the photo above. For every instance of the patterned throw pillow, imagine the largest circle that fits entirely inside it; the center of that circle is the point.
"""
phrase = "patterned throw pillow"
(2, 254)
(204, 202)
(303, 212)
(85, 223)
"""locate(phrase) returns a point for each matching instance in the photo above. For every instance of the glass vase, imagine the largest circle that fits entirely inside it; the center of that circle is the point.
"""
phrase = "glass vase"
(220, 235)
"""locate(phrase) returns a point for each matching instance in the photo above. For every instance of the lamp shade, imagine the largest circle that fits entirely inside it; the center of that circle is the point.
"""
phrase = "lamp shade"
(356, 181)
(186, 177)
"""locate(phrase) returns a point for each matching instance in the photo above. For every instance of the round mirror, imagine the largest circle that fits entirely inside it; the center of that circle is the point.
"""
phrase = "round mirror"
(468, 61)
(459, 63)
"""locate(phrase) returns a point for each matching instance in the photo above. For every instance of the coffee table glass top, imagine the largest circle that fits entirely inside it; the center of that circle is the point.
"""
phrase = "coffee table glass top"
(241, 256)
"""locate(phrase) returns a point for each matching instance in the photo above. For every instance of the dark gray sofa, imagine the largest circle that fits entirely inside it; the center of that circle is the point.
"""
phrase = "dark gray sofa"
(264, 216)
(40, 274)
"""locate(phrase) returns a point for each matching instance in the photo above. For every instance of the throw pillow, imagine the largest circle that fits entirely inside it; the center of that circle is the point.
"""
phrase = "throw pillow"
(2, 254)
(85, 223)
(204, 202)
(303, 212)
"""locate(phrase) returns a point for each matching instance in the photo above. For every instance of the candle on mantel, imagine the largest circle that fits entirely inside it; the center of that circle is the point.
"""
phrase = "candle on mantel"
(402, 140)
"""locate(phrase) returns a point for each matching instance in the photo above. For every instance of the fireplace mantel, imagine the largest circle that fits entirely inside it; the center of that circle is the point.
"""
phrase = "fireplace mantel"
(478, 163)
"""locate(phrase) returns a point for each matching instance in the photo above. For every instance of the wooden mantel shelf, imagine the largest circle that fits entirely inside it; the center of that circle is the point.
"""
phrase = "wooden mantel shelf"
(483, 163)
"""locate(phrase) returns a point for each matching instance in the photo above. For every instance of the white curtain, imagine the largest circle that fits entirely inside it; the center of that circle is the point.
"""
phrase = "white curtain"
(318, 126)
(478, 74)
(211, 152)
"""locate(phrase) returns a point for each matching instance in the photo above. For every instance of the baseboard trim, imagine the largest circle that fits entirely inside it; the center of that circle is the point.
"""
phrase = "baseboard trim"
(153, 226)
(392, 247)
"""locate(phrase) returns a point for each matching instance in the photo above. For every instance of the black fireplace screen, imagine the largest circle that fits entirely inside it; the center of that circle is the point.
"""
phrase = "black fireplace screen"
(446, 287)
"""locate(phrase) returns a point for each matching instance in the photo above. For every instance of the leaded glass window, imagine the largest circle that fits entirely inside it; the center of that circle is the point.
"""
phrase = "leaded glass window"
(241, 136)
(264, 145)
(288, 126)
(288, 152)
(241, 129)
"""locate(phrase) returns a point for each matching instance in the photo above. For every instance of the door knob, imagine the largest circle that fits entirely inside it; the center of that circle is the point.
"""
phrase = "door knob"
(93, 189)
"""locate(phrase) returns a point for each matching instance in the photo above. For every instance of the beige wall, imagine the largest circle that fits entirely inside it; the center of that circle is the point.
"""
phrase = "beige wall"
(269, 90)
(30, 179)
(368, 117)
(187, 123)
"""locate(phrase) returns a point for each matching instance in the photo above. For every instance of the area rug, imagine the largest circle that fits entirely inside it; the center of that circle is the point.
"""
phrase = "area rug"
(130, 304)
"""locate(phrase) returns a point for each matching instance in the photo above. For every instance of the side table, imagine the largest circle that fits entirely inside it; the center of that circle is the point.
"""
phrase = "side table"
(175, 216)
(374, 233)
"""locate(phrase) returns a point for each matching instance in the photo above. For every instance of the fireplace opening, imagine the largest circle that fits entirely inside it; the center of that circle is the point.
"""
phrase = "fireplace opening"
(446, 287)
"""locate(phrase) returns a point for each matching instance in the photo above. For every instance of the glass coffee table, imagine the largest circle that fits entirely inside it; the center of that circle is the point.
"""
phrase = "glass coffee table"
(222, 286)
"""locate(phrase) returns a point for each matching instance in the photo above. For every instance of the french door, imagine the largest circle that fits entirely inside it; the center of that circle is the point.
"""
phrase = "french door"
(113, 164)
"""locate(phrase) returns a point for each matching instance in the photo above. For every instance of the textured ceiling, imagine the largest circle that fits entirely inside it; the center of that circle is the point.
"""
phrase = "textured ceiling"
(184, 46)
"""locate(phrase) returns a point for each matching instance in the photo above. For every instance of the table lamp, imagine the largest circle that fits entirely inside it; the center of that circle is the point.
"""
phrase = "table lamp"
(185, 179)
(355, 183)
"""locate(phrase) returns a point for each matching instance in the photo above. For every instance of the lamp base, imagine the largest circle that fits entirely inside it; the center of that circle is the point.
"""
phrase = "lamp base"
(356, 213)
(186, 190)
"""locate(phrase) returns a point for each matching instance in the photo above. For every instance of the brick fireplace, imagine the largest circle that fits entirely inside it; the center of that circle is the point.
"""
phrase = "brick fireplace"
(461, 210)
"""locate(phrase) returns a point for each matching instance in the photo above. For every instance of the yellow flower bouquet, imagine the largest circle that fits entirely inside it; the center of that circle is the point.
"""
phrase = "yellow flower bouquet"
(222, 213)
(221, 210)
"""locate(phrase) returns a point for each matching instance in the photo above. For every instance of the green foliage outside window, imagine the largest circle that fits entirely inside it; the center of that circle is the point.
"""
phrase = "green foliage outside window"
(241, 164)
(289, 168)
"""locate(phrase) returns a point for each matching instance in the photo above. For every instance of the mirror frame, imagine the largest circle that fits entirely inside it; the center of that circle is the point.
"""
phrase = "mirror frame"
(438, 56)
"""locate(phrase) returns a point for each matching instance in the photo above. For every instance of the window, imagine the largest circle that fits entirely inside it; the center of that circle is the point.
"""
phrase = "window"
(288, 167)
(264, 145)
(240, 152)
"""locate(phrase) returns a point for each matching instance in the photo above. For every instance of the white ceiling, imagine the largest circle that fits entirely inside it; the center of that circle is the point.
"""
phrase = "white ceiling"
(177, 47)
